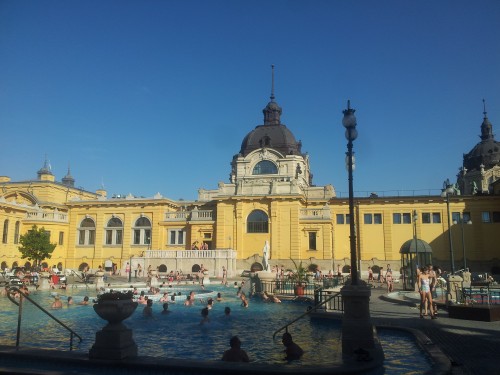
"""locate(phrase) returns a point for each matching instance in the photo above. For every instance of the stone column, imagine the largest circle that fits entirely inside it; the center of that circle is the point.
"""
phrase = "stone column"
(357, 328)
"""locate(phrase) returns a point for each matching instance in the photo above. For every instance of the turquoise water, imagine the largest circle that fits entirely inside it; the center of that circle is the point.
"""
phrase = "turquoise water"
(179, 333)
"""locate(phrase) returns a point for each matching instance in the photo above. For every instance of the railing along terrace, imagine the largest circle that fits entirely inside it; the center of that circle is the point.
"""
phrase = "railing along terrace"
(286, 287)
(315, 213)
(194, 215)
(328, 300)
(188, 254)
(47, 216)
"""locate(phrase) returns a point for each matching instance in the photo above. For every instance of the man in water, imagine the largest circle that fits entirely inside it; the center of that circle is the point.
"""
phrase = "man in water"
(235, 354)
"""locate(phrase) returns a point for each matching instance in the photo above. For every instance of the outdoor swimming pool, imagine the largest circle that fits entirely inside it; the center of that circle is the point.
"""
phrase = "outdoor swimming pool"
(179, 334)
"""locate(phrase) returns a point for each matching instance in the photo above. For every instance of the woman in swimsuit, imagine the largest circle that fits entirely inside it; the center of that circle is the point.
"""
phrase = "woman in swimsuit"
(425, 293)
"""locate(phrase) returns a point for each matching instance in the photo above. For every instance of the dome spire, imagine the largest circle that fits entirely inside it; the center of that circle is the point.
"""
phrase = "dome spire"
(272, 82)
(68, 180)
(272, 112)
(486, 127)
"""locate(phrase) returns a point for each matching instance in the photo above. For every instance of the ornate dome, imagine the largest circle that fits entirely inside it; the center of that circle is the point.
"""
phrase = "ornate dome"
(273, 134)
(486, 152)
(277, 137)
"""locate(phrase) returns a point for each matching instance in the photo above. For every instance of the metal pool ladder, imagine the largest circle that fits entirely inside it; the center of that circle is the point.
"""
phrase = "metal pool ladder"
(312, 309)
(22, 296)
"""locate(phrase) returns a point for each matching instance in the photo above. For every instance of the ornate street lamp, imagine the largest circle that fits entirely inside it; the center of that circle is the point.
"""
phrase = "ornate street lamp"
(461, 219)
(349, 122)
(446, 192)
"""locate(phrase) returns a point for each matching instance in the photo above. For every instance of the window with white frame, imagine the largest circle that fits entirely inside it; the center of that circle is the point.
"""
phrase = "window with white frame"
(114, 232)
(431, 218)
(176, 236)
(86, 232)
(343, 219)
(373, 218)
(312, 241)
(142, 231)
(5, 231)
(16, 232)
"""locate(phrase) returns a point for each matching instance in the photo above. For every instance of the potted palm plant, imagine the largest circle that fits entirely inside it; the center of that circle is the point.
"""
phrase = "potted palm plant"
(299, 276)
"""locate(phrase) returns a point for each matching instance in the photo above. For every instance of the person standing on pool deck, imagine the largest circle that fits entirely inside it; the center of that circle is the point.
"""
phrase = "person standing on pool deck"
(235, 354)
(293, 351)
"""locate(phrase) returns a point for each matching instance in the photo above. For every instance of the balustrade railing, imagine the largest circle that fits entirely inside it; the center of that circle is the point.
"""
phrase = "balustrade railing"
(194, 215)
(47, 216)
(315, 213)
(189, 254)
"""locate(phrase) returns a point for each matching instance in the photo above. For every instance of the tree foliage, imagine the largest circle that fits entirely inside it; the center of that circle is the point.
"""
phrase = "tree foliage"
(35, 245)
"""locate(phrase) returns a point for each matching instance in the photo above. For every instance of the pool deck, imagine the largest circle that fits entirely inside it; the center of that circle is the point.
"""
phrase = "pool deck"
(460, 347)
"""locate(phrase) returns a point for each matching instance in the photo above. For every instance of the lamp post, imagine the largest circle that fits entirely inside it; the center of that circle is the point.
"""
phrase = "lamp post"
(415, 238)
(349, 122)
(446, 192)
(461, 219)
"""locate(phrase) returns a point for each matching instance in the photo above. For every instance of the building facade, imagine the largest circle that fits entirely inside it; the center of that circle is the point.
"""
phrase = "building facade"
(270, 197)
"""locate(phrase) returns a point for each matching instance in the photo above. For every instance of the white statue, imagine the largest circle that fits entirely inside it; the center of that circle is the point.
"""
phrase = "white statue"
(265, 257)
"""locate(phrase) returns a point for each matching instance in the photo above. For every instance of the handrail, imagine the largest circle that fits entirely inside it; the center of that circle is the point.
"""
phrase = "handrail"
(307, 312)
(84, 279)
(20, 304)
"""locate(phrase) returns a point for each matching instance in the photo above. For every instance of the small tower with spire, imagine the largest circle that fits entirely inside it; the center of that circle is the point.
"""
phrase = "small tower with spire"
(68, 180)
(45, 173)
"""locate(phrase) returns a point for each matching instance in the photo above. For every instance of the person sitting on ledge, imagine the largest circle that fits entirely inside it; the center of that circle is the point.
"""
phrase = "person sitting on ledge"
(235, 354)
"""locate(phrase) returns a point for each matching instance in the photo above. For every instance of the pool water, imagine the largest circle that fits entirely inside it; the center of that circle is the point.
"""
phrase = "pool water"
(179, 333)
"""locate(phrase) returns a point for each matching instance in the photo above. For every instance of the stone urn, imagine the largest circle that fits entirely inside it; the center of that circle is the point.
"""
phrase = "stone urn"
(115, 311)
(99, 277)
(114, 341)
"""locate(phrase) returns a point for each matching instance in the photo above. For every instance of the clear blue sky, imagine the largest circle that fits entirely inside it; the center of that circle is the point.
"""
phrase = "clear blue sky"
(156, 96)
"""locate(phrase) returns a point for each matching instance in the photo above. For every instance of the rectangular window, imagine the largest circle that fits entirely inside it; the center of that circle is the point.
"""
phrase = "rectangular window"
(91, 237)
(496, 217)
(312, 240)
(485, 217)
(61, 238)
(176, 237)
(426, 218)
(109, 237)
(348, 219)
(377, 218)
(119, 236)
(396, 218)
(407, 218)
(137, 236)
(455, 217)
(147, 238)
(466, 217)
(340, 218)
(81, 238)
(16, 233)
(436, 217)
(368, 219)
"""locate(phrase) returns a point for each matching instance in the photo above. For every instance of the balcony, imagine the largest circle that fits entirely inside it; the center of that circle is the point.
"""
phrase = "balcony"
(190, 254)
(194, 215)
(44, 216)
(315, 213)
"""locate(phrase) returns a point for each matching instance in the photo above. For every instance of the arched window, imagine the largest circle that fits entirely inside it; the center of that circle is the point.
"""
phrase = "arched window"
(142, 231)
(16, 232)
(114, 232)
(265, 167)
(86, 232)
(257, 222)
(5, 230)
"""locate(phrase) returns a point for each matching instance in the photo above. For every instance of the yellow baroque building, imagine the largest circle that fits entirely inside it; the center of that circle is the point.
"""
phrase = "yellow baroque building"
(268, 197)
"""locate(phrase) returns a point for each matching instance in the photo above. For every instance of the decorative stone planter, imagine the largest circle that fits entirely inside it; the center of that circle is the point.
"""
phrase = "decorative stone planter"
(114, 341)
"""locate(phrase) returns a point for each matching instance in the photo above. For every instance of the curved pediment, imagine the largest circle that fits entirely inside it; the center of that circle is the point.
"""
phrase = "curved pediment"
(20, 197)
